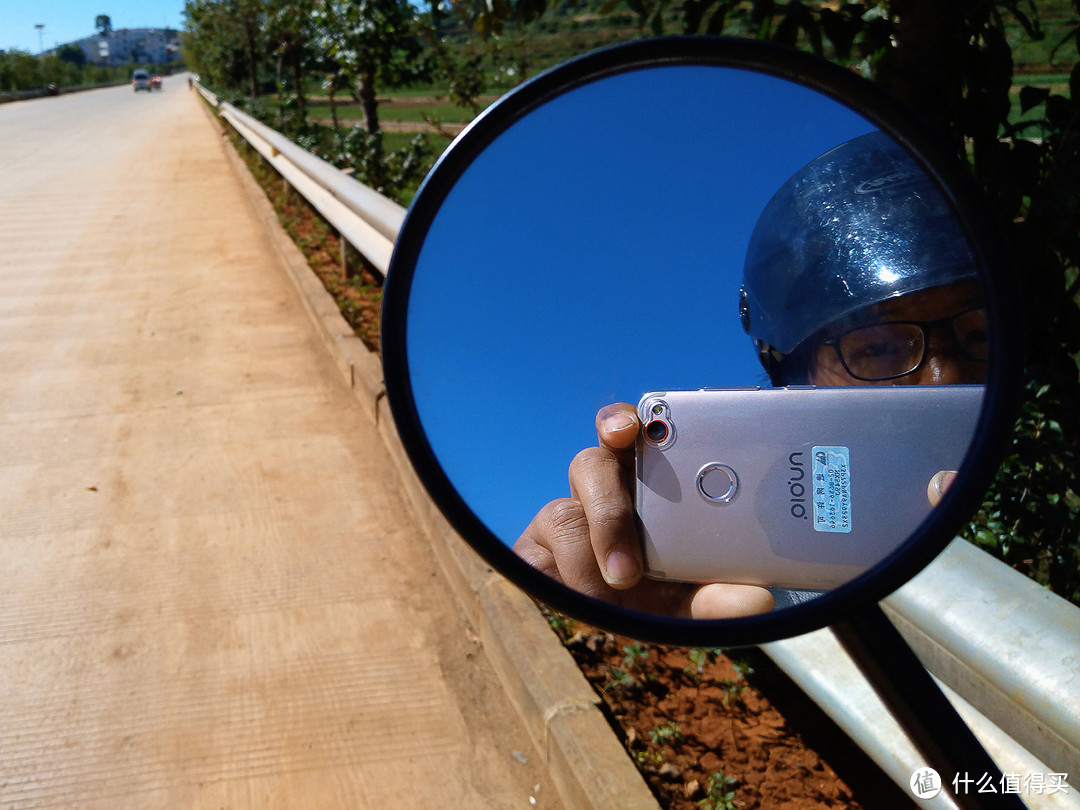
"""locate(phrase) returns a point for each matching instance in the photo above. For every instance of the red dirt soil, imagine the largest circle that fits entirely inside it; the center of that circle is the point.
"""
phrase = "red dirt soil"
(686, 715)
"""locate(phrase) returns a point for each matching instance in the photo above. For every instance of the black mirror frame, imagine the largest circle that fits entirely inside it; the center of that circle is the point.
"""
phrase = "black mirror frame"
(998, 283)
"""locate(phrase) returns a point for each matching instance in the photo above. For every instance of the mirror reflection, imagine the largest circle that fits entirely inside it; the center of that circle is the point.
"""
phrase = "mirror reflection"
(667, 230)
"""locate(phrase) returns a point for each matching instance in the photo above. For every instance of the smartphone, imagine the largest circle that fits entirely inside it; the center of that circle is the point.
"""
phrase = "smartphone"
(798, 487)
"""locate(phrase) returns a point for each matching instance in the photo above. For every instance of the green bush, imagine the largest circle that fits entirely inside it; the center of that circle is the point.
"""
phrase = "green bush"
(1030, 515)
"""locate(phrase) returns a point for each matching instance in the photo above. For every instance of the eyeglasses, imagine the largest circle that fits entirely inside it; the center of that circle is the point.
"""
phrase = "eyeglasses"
(885, 351)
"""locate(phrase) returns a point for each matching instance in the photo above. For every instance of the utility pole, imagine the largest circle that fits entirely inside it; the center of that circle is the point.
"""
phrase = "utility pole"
(40, 33)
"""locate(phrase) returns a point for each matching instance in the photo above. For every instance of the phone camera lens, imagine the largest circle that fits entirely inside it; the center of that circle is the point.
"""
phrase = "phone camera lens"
(656, 431)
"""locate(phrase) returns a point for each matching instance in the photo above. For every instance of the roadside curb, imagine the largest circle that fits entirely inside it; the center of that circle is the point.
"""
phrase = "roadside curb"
(559, 709)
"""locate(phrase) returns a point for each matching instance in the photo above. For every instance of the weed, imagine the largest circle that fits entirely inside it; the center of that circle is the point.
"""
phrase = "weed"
(622, 682)
(667, 733)
(350, 308)
(564, 626)
(719, 792)
(637, 655)
(648, 758)
(734, 687)
(699, 660)
(742, 667)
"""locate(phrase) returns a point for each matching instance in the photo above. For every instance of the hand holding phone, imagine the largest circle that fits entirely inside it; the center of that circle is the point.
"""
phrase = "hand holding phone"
(590, 541)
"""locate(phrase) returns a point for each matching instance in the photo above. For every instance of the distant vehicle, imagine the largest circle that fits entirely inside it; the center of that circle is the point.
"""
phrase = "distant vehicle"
(155, 82)
(140, 80)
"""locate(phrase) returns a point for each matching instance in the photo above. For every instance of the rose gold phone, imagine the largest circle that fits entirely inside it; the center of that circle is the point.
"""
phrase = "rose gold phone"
(797, 487)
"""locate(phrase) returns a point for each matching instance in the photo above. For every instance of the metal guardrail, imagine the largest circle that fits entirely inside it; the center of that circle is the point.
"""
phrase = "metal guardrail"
(1005, 650)
(364, 218)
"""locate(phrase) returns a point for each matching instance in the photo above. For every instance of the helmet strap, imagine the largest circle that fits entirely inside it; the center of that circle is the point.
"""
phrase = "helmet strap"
(783, 369)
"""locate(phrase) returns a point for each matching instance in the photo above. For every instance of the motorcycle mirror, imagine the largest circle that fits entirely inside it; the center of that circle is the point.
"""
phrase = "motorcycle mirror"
(583, 242)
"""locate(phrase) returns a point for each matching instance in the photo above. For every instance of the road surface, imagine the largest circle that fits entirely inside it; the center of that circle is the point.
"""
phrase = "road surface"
(213, 593)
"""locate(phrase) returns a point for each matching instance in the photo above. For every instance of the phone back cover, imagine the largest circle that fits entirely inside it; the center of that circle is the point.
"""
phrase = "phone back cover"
(829, 480)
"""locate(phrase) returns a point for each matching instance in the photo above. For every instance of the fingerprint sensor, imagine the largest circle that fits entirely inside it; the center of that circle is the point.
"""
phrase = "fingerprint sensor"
(717, 482)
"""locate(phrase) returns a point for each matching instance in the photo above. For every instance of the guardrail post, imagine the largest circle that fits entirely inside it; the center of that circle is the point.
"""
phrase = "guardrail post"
(919, 705)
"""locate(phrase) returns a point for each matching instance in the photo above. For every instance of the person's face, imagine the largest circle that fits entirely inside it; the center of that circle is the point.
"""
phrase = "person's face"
(876, 335)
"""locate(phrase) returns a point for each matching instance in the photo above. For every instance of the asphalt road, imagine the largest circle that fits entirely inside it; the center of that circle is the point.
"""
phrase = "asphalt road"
(213, 592)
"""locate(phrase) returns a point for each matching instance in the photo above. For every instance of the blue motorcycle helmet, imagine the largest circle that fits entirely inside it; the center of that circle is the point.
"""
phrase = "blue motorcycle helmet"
(856, 226)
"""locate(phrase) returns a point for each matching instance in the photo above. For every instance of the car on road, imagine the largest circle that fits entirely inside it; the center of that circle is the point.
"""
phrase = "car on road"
(140, 80)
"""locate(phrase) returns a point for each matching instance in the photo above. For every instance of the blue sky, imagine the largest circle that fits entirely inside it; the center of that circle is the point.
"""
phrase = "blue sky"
(69, 20)
(602, 275)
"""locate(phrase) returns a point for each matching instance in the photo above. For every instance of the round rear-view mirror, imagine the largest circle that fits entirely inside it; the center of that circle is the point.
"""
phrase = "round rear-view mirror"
(792, 288)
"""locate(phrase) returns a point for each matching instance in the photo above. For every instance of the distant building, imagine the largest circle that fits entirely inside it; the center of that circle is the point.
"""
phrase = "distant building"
(125, 46)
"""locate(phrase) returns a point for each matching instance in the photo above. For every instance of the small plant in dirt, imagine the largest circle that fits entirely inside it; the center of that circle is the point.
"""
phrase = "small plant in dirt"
(630, 678)
(667, 733)
(734, 687)
(720, 792)
(563, 625)
(621, 682)
(699, 660)
(636, 655)
(651, 756)
(648, 758)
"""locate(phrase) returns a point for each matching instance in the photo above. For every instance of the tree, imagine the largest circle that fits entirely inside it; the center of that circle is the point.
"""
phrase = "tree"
(288, 31)
(504, 28)
(247, 13)
(20, 70)
(490, 17)
(464, 74)
(460, 64)
(103, 24)
(73, 55)
(374, 42)
(221, 41)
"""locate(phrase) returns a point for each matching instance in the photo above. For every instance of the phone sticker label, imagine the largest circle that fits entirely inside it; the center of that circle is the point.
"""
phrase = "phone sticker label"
(832, 489)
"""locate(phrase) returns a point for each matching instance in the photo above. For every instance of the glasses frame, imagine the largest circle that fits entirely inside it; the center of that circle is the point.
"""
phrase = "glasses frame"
(924, 326)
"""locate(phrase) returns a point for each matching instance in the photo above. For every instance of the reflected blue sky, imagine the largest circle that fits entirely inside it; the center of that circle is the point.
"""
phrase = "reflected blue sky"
(591, 254)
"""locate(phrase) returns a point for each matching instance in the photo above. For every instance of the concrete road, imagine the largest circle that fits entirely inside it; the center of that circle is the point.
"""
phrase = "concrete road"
(213, 593)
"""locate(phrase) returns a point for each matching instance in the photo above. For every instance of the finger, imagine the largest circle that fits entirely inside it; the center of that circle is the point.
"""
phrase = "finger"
(557, 542)
(941, 481)
(617, 426)
(531, 548)
(720, 601)
(598, 482)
